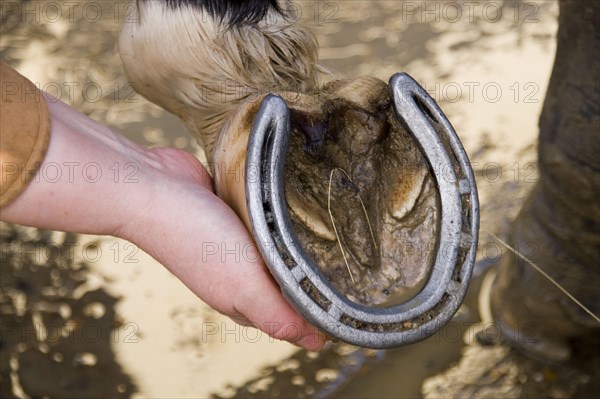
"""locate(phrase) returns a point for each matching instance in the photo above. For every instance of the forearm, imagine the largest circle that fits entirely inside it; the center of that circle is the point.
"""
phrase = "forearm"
(84, 180)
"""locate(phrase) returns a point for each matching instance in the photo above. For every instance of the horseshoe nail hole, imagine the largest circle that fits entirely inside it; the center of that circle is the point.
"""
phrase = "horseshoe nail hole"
(270, 218)
(466, 212)
(289, 262)
(370, 327)
(460, 260)
(411, 324)
(314, 294)
(425, 109)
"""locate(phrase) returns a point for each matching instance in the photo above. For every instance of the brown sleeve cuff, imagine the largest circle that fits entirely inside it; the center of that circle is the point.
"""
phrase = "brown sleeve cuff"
(24, 132)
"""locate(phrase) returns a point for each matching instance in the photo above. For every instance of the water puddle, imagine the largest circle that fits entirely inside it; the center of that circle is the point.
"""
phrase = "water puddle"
(155, 338)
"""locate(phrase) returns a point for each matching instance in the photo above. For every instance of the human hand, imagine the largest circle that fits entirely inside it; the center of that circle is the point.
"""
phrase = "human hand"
(168, 209)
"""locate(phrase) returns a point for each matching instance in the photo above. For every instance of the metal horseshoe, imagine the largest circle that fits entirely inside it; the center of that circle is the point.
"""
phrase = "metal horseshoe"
(299, 278)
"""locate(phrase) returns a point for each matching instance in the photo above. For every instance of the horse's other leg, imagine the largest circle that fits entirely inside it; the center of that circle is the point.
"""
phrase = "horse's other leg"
(558, 227)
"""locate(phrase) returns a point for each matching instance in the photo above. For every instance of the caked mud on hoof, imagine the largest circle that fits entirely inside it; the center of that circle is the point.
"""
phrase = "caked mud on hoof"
(362, 200)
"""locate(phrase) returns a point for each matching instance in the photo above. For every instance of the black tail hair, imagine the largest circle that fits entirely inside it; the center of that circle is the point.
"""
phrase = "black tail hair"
(231, 12)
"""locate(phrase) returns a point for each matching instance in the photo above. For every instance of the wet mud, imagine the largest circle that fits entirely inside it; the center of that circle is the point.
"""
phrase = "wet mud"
(56, 335)
(361, 196)
(357, 38)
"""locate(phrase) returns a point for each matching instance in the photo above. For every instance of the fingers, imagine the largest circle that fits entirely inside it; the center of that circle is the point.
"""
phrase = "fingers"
(242, 288)
(236, 282)
(262, 304)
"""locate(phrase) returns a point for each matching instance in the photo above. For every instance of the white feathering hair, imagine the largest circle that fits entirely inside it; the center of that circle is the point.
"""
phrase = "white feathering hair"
(200, 69)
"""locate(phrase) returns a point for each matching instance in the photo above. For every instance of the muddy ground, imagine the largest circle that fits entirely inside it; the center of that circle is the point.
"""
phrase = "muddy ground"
(95, 317)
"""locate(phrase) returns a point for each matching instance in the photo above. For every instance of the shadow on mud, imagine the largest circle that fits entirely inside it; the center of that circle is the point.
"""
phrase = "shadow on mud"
(55, 337)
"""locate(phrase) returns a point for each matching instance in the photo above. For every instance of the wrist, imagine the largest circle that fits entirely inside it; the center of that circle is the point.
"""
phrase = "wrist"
(167, 176)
